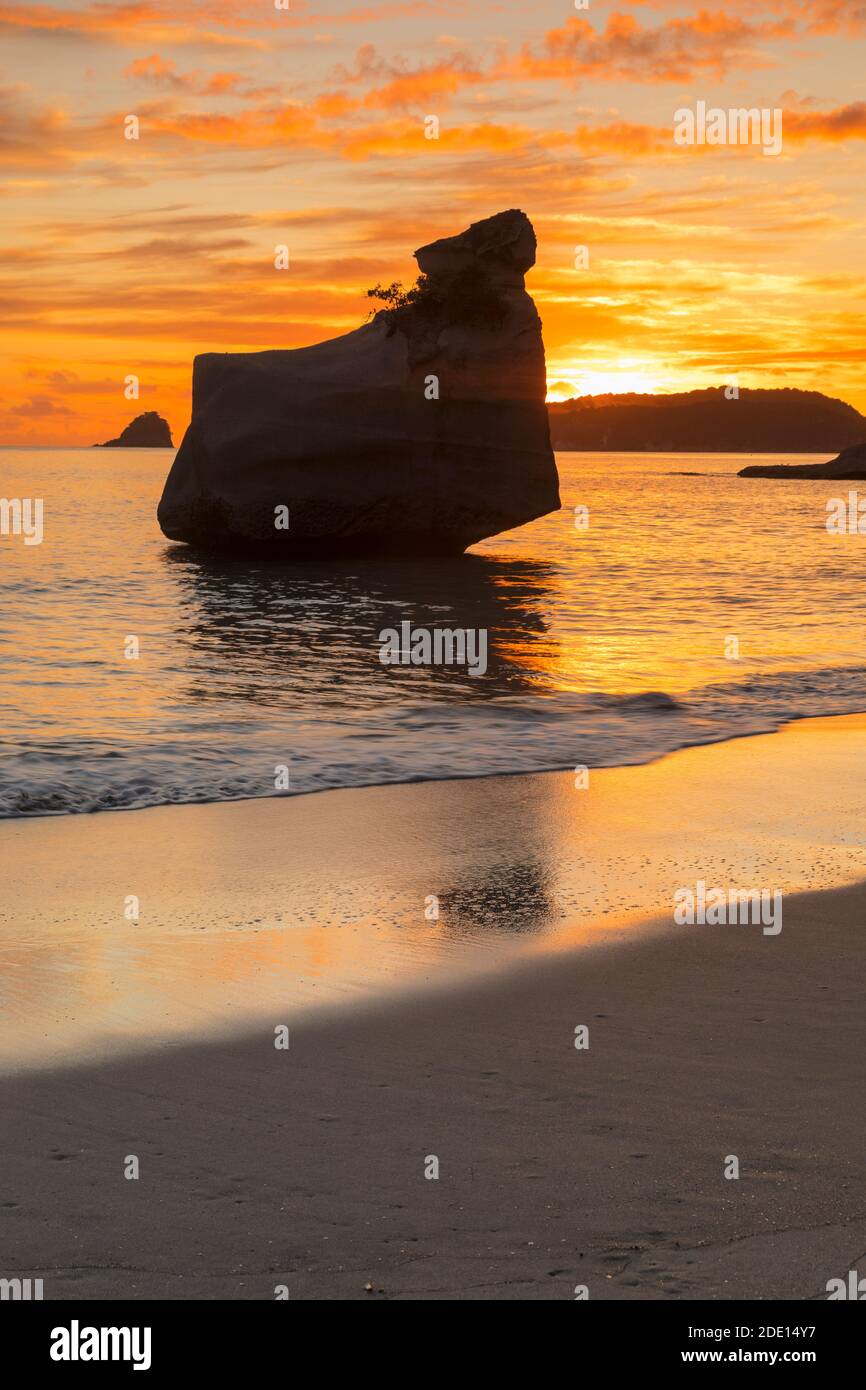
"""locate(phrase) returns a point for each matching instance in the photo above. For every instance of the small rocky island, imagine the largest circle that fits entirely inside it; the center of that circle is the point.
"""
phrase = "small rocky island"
(851, 464)
(147, 431)
(421, 432)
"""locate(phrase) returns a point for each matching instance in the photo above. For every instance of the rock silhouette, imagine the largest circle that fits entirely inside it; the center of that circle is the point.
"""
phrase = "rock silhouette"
(851, 463)
(147, 431)
(421, 432)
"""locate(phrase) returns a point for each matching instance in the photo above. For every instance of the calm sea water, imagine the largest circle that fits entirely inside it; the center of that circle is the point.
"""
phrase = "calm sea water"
(607, 646)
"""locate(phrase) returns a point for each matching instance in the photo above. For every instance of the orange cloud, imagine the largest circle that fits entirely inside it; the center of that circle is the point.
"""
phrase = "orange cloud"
(227, 22)
(815, 16)
(824, 16)
(833, 127)
(163, 73)
(402, 86)
(676, 51)
(118, 23)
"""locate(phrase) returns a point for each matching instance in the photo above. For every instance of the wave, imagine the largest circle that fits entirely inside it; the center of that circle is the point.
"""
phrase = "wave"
(420, 742)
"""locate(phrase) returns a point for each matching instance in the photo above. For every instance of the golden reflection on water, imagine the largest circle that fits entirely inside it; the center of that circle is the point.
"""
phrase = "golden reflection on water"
(679, 554)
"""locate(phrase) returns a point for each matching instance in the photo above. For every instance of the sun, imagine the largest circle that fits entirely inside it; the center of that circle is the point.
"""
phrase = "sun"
(617, 379)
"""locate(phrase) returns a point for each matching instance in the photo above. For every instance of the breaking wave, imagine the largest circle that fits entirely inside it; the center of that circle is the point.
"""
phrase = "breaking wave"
(416, 742)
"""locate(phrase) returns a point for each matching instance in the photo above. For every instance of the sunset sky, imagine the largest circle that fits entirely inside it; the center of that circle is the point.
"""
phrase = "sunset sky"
(261, 126)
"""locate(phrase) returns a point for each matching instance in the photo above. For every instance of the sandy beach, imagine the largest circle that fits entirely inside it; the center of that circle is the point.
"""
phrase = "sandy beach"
(558, 1167)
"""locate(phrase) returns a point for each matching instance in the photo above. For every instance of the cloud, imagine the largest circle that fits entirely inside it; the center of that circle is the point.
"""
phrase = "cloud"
(37, 408)
(676, 51)
(833, 127)
(229, 23)
(824, 16)
(182, 22)
(820, 17)
(162, 73)
(401, 86)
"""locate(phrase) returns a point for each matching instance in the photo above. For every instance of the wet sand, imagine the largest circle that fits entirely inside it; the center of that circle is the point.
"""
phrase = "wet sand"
(248, 909)
(558, 1167)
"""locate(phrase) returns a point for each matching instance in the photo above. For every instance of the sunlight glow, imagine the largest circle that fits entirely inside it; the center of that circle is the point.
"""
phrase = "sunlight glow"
(617, 379)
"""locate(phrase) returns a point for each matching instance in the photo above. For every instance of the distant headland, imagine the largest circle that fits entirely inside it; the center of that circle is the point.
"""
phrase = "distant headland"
(147, 431)
(784, 421)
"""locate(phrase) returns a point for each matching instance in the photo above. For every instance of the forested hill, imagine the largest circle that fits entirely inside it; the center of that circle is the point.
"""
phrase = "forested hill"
(783, 421)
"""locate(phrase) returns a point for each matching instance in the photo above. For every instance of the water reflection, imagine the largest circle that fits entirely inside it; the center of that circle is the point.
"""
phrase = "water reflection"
(306, 636)
(517, 898)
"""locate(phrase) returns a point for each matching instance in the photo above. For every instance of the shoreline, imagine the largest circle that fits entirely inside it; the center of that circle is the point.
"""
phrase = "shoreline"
(647, 760)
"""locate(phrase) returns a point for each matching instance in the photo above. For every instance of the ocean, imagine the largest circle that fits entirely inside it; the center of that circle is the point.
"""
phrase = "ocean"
(684, 605)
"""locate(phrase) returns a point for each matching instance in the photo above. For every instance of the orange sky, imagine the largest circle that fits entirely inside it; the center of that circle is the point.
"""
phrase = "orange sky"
(261, 126)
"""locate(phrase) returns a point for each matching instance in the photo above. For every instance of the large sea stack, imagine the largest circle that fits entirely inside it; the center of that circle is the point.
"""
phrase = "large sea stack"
(421, 432)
